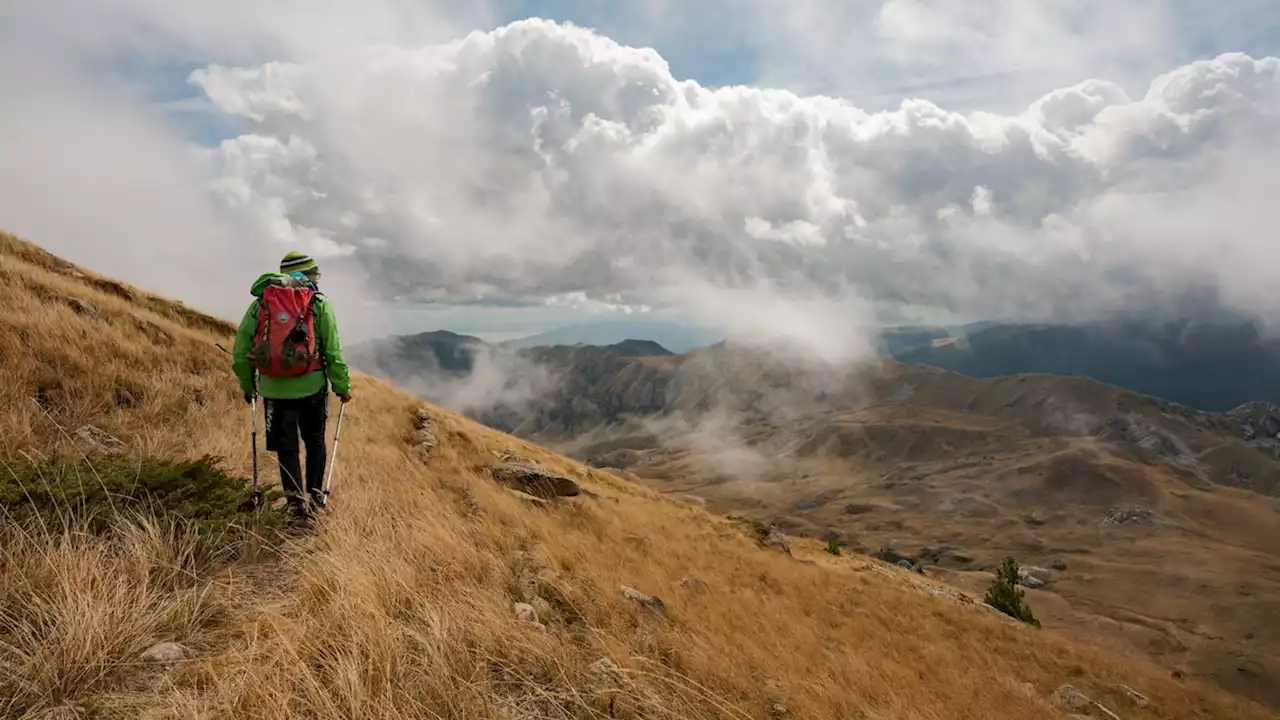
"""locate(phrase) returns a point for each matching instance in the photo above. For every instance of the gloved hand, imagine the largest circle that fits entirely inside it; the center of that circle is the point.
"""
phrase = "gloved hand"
(345, 397)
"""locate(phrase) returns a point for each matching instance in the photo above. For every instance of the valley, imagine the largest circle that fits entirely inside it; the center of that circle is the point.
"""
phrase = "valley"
(1146, 526)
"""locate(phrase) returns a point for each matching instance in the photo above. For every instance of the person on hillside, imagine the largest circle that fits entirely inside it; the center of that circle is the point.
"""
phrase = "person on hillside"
(294, 371)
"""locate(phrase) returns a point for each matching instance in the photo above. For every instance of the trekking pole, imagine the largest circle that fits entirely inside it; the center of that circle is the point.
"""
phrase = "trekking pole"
(255, 499)
(333, 456)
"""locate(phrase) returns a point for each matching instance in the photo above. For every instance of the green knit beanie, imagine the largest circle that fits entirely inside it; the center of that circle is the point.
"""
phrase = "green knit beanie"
(297, 262)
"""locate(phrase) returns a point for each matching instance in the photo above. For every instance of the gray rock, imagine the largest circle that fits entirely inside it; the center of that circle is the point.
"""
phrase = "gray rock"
(84, 309)
(1133, 695)
(164, 652)
(533, 480)
(1069, 698)
(694, 584)
(93, 439)
(1058, 565)
(1072, 700)
(776, 539)
(1032, 577)
(525, 612)
(653, 603)
(1132, 516)
(424, 435)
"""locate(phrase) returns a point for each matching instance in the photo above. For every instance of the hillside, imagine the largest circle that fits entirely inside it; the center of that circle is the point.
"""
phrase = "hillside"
(1210, 365)
(1109, 494)
(402, 603)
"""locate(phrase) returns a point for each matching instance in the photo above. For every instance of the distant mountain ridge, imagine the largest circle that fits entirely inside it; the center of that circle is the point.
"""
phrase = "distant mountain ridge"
(674, 336)
(1207, 365)
(1213, 366)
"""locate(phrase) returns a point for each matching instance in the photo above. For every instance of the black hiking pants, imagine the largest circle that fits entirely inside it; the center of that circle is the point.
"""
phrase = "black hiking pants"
(287, 419)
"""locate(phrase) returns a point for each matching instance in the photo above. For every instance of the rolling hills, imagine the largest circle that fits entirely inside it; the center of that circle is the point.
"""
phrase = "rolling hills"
(1151, 526)
(431, 589)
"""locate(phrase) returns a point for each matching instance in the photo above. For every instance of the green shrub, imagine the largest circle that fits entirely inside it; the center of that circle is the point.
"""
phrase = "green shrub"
(1005, 595)
(833, 545)
(194, 495)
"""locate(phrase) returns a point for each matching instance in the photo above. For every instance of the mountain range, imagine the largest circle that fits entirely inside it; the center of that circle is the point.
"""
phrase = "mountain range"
(1149, 525)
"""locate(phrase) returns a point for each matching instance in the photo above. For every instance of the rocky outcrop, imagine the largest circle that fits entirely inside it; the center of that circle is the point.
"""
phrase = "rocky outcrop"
(424, 432)
(1257, 420)
(533, 480)
(1132, 516)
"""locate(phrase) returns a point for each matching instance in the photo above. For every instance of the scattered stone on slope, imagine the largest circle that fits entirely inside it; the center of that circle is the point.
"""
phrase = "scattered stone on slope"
(1070, 699)
(894, 557)
(607, 671)
(695, 584)
(1032, 577)
(533, 480)
(653, 603)
(84, 309)
(164, 652)
(1138, 516)
(1058, 564)
(93, 439)
(776, 539)
(424, 435)
(525, 612)
(1134, 696)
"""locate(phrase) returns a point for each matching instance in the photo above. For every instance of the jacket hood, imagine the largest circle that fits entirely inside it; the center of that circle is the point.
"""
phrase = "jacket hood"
(262, 282)
(266, 279)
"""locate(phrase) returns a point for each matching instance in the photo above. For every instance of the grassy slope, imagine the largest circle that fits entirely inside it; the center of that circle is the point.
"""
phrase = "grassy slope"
(401, 606)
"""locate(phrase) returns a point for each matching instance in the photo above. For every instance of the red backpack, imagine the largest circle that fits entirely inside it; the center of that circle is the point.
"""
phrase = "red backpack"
(285, 344)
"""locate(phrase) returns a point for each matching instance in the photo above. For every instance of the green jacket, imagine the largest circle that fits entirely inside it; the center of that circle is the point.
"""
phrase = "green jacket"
(290, 387)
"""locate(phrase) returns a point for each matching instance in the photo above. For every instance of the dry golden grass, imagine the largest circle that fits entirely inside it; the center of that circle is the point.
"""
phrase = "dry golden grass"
(400, 605)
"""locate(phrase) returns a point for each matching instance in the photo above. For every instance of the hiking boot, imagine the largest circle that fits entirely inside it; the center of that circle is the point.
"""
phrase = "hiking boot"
(303, 514)
(318, 499)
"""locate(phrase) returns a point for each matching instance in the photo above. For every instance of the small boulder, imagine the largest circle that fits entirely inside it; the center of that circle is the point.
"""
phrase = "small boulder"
(894, 557)
(534, 480)
(1072, 700)
(776, 539)
(1032, 577)
(1058, 564)
(525, 612)
(83, 308)
(1134, 696)
(1132, 516)
(695, 584)
(653, 603)
(424, 436)
(164, 652)
(607, 673)
(93, 439)
(1069, 698)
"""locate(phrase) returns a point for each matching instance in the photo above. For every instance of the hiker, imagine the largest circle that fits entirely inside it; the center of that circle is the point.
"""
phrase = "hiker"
(294, 370)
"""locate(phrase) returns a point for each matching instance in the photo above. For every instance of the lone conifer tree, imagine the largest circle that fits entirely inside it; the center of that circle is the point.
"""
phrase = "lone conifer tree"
(1005, 595)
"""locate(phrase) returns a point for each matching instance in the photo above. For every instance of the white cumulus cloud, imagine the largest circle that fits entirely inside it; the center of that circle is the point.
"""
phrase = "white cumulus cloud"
(543, 160)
